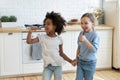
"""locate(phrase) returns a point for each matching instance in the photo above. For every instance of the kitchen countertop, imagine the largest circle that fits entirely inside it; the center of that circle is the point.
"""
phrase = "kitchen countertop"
(67, 28)
(11, 29)
(77, 27)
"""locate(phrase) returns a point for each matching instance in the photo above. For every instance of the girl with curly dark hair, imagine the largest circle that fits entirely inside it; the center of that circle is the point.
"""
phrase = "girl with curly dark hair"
(52, 51)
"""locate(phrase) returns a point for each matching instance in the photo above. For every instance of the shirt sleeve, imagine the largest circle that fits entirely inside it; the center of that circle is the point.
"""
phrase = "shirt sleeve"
(95, 44)
(78, 41)
(40, 37)
(61, 41)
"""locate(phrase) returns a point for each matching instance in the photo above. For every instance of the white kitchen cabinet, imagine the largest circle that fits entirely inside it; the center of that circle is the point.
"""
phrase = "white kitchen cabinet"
(1, 49)
(69, 47)
(32, 68)
(11, 52)
(104, 54)
(74, 44)
(11, 56)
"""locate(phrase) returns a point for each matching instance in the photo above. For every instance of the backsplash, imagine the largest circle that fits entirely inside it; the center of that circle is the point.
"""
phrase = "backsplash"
(34, 11)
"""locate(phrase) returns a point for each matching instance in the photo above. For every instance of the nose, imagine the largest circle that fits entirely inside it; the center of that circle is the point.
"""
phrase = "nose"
(45, 25)
(83, 25)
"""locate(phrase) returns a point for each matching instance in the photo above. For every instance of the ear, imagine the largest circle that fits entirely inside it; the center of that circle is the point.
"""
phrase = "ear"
(94, 24)
(55, 27)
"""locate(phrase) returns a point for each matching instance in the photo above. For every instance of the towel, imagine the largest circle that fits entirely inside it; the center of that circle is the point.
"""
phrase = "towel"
(36, 51)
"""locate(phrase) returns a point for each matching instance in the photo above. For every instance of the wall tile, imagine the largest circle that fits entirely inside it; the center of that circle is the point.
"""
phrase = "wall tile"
(34, 11)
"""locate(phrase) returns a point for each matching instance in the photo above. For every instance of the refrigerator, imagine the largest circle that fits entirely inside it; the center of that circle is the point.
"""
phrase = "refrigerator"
(112, 18)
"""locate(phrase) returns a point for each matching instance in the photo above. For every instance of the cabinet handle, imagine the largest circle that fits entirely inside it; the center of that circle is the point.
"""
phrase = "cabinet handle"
(10, 33)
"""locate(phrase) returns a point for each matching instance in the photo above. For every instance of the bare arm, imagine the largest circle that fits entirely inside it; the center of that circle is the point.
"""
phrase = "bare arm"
(75, 61)
(63, 55)
(29, 39)
(77, 52)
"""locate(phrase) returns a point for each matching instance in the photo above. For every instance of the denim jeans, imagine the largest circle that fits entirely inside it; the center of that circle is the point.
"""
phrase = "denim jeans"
(85, 70)
(49, 70)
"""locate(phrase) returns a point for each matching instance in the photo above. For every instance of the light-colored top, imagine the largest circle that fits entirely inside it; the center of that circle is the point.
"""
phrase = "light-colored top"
(50, 48)
(85, 53)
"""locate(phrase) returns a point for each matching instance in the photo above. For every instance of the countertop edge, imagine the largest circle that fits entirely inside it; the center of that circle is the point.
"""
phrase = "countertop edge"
(67, 28)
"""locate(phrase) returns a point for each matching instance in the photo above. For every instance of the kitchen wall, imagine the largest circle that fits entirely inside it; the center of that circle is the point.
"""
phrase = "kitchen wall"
(33, 11)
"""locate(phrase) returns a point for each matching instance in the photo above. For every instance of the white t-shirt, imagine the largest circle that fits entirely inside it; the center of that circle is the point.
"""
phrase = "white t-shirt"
(50, 48)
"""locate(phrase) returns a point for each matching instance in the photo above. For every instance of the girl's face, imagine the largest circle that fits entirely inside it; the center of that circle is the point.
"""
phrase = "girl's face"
(49, 27)
(86, 24)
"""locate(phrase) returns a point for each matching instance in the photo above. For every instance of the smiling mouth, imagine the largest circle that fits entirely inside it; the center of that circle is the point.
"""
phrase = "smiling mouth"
(84, 29)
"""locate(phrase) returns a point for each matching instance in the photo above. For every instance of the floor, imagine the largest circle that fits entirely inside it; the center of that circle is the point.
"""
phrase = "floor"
(99, 75)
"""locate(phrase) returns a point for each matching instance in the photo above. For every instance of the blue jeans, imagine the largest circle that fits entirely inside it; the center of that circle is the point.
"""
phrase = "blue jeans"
(85, 70)
(49, 70)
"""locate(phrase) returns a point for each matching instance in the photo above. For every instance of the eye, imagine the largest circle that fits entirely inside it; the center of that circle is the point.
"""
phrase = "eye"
(86, 23)
(48, 23)
(81, 23)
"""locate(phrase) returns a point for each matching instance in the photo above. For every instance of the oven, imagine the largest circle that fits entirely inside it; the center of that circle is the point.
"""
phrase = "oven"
(27, 49)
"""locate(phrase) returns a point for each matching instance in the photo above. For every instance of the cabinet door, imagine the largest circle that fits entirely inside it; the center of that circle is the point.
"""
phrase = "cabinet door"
(1, 49)
(66, 48)
(104, 54)
(69, 47)
(74, 38)
(66, 37)
(11, 57)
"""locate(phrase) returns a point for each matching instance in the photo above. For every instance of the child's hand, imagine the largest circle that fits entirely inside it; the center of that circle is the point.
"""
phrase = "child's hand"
(32, 29)
(82, 38)
(74, 62)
